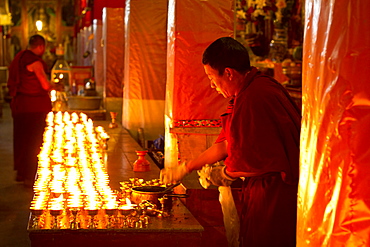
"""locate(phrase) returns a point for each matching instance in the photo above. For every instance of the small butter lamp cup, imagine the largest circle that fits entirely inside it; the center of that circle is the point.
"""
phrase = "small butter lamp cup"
(113, 124)
(110, 213)
(55, 213)
(141, 164)
(36, 218)
(125, 212)
(92, 213)
(73, 221)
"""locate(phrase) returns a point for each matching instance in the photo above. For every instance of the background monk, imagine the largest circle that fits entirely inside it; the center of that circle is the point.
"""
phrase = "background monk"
(29, 86)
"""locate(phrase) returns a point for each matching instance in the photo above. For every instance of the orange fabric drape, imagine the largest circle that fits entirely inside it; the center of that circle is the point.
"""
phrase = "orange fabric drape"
(334, 189)
(192, 26)
(145, 67)
(114, 50)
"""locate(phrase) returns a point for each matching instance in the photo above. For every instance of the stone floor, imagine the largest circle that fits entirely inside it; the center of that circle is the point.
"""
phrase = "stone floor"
(14, 197)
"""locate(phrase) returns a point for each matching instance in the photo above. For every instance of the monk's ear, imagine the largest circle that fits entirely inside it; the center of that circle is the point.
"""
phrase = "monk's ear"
(229, 73)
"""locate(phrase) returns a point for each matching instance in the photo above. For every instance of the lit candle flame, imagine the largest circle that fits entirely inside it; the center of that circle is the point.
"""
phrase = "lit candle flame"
(71, 165)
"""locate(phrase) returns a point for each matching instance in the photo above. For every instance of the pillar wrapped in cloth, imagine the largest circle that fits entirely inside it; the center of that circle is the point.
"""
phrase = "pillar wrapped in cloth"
(145, 67)
(192, 26)
(334, 191)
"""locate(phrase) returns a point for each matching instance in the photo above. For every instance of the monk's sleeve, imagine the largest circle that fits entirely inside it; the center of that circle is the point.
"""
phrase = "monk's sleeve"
(13, 78)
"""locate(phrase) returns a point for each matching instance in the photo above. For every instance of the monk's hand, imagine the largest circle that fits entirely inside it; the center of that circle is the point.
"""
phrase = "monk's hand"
(173, 174)
(205, 176)
(218, 175)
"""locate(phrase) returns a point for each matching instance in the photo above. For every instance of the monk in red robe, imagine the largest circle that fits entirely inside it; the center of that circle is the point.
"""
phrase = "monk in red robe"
(259, 142)
(29, 87)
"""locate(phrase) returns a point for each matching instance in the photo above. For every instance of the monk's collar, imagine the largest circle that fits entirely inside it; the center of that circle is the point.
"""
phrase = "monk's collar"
(248, 79)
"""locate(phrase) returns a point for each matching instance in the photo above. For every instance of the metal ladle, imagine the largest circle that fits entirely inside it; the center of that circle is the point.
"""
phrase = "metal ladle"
(169, 188)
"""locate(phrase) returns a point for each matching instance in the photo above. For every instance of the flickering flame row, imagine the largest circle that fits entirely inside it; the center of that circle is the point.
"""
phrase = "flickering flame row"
(40, 200)
(111, 202)
(56, 203)
(71, 165)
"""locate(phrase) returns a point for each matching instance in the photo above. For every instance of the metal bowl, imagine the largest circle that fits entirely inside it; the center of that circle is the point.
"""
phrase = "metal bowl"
(84, 102)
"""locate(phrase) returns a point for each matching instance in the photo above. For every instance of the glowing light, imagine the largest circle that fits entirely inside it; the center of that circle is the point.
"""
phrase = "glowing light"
(128, 205)
(70, 172)
(39, 25)
(53, 95)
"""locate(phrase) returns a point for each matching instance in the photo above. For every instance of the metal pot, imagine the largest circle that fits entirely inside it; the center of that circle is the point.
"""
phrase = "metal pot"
(153, 194)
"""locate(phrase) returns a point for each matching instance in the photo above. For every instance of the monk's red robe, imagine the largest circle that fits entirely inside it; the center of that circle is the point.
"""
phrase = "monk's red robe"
(30, 105)
(262, 128)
